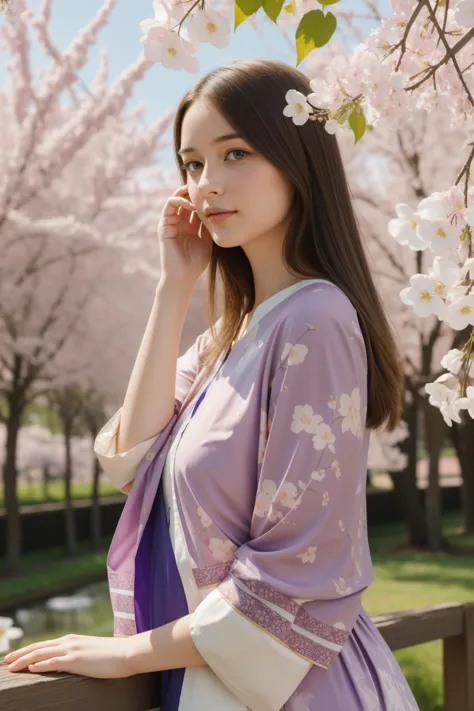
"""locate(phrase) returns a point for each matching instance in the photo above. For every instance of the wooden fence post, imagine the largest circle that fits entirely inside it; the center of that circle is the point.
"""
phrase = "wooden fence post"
(458, 666)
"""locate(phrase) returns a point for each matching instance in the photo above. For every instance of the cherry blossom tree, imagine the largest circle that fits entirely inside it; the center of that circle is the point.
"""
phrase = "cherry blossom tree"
(418, 58)
(80, 192)
(405, 164)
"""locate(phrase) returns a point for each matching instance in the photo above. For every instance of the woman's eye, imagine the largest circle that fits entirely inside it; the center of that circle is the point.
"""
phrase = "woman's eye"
(189, 165)
(237, 150)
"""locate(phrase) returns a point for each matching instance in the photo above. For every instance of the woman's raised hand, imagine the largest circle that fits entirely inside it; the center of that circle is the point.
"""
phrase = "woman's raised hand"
(185, 243)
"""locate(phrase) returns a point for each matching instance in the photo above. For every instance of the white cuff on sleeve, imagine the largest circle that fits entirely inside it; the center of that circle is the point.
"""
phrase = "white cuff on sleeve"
(119, 468)
(259, 670)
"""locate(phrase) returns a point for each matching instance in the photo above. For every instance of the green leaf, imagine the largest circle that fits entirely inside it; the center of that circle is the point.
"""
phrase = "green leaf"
(315, 30)
(273, 8)
(328, 2)
(290, 7)
(357, 122)
(244, 9)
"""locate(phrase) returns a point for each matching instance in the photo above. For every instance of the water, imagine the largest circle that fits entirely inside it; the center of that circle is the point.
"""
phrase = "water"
(86, 611)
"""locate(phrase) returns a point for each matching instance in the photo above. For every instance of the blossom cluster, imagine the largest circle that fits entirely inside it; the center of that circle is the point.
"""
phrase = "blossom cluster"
(442, 224)
(167, 40)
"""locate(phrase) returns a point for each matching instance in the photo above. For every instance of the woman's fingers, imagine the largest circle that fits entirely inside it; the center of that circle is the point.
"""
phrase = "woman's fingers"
(174, 203)
(37, 655)
(31, 648)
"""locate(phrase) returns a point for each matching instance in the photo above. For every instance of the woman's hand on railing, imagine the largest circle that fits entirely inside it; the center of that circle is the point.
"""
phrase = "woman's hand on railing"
(96, 657)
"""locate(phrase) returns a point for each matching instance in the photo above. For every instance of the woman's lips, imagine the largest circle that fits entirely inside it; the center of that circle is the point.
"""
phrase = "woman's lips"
(220, 216)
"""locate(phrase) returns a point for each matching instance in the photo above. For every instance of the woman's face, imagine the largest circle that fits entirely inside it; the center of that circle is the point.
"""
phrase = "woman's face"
(230, 175)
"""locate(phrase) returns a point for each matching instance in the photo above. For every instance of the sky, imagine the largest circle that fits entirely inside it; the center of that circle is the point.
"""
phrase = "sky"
(161, 89)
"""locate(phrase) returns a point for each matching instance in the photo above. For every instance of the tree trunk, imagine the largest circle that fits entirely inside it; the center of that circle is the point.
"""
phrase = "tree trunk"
(95, 509)
(45, 477)
(13, 520)
(71, 542)
(405, 482)
(435, 432)
(462, 437)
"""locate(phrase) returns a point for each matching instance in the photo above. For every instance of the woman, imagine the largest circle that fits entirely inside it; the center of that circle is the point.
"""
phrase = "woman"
(241, 555)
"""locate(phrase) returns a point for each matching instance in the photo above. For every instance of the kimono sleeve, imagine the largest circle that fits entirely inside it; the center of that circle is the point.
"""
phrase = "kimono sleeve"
(120, 468)
(293, 592)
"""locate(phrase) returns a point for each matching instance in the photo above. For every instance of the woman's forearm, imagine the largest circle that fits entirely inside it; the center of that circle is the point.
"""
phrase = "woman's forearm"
(149, 401)
(167, 647)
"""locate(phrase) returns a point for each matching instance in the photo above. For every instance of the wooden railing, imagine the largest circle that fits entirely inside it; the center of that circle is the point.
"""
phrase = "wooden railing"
(453, 623)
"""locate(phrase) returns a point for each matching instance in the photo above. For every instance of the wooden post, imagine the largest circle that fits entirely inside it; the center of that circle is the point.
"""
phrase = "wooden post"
(458, 666)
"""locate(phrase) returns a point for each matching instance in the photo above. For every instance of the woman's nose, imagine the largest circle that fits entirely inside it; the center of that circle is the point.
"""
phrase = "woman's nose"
(210, 184)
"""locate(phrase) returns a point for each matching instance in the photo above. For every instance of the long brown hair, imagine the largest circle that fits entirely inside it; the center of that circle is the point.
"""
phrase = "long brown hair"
(323, 239)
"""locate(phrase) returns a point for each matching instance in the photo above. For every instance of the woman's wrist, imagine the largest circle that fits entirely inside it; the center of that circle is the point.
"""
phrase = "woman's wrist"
(166, 647)
(170, 289)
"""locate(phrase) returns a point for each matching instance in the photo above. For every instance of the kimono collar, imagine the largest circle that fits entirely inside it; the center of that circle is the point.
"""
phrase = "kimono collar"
(272, 301)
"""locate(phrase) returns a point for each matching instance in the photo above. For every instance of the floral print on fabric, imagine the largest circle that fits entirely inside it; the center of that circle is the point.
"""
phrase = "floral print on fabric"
(306, 534)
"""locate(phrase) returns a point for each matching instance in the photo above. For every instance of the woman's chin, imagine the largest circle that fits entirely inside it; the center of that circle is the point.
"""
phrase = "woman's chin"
(225, 240)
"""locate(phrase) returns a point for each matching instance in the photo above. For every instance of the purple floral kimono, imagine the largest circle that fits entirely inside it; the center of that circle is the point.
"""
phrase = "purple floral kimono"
(248, 511)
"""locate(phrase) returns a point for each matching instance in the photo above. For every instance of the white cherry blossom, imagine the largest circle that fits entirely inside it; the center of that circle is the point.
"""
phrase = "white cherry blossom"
(309, 556)
(349, 408)
(452, 361)
(297, 107)
(445, 274)
(318, 474)
(342, 588)
(324, 437)
(332, 403)
(334, 128)
(288, 494)
(422, 296)
(210, 26)
(404, 228)
(444, 394)
(467, 403)
(434, 207)
(296, 353)
(460, 313)
(304, 419)
(265, 498)
(325, 499)
(451, 411)
(440, 235)
(326, 91)
(205, 519)
(438, 391)
(8, 633)
(171, 50)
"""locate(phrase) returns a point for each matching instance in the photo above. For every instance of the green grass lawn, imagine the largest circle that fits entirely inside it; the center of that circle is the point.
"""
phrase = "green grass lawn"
(45, 569)
(33, 494)
(410, 579)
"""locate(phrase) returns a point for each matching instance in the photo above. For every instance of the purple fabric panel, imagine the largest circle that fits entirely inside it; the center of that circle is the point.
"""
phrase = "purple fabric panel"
(159, 593)
(159, 596)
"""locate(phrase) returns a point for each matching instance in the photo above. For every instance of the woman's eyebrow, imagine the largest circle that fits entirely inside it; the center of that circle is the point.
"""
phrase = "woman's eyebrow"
(219, 139)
